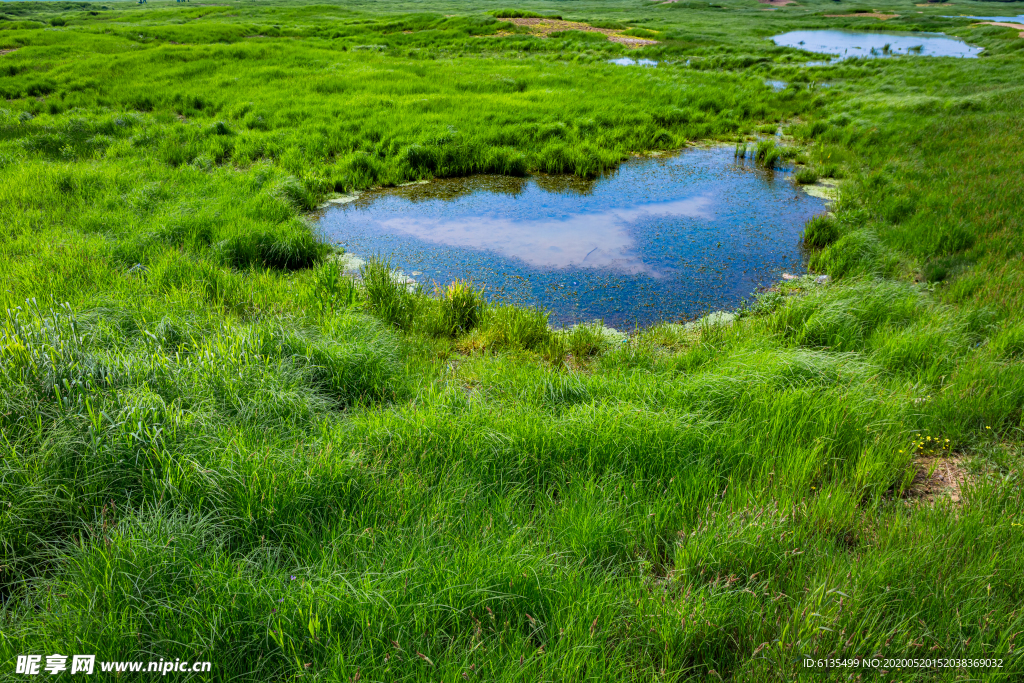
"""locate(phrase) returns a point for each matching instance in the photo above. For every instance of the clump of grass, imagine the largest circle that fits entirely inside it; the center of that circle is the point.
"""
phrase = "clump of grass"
(298, 194)
(806, 176)
(607, 23)
(521, 14)
(459, 309)
(942, 268)
(288, 246)
(821, 231)
(829, 171)
(512, 327)
(641, 33)
(562, 390)
(768, 153)
(387, 294)
(586, 340)
(332, 290)
(582, 36)
(554, 350)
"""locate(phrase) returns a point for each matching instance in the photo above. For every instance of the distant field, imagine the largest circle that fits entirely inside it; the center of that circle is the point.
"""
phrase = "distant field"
(216, 446)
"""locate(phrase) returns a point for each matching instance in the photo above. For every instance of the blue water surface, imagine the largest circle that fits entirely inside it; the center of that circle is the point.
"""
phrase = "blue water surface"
(1019, 19)
(664, 238)
(874, 44)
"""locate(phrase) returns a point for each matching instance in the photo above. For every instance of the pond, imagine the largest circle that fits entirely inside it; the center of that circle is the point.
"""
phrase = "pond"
(664, 238)
(1019, 19)
(629, 61)
(853, 44)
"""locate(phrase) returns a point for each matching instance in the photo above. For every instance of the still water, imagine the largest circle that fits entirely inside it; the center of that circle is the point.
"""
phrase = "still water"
(666, 238)
(628, 61)
(1019, 19)
(852, 44)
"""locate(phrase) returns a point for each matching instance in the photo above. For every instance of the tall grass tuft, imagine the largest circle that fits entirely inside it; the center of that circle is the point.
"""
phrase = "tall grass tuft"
(585, 340)
(806, 176)
(768, 154)
(388, 295)
(521, 14)
(821, 231)
(459, 309)
(507, 326)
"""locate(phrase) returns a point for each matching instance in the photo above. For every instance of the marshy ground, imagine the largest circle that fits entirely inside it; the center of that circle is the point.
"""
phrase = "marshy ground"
(215, 445)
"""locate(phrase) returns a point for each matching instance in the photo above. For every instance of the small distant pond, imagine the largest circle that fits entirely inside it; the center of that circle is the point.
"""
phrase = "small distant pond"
(661, 239)
(1019, 19)
(628, 61)
(853, 44)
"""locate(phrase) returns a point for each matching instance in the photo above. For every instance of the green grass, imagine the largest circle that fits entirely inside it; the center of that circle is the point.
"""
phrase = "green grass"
(217, 445)
(821, 231)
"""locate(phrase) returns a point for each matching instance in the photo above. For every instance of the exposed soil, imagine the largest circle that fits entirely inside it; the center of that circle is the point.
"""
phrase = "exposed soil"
(945, 481)
(7, 52)
(777, 3)
(544, 27)
(1007, 24)
(876, 15)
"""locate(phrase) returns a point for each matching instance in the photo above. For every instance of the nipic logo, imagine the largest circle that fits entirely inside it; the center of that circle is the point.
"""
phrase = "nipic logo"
(30, 664)
(34, 665)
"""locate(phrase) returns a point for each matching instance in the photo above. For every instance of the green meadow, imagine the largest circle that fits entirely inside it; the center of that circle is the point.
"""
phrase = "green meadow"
(215, 445)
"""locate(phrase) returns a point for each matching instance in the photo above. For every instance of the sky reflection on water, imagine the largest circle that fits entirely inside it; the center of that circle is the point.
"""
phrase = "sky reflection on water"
(664, 238)
(853, 44)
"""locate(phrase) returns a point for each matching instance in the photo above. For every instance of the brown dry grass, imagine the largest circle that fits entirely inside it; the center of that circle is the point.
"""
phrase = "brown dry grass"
(545, 27)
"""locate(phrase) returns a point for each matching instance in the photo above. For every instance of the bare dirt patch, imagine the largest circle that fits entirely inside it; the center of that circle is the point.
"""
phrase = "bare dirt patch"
(7, 52)
(777, 3)
(937, 477)
(545, 27)
(876, 15)
(1006, 24)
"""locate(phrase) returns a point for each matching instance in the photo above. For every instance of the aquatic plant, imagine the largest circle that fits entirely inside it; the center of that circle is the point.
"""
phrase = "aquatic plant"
(768, 154)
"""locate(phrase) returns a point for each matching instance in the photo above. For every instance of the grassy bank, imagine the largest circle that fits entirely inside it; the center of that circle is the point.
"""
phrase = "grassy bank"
(217, 447)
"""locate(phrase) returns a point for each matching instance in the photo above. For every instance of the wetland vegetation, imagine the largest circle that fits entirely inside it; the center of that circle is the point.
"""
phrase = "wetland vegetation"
(215, 445)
